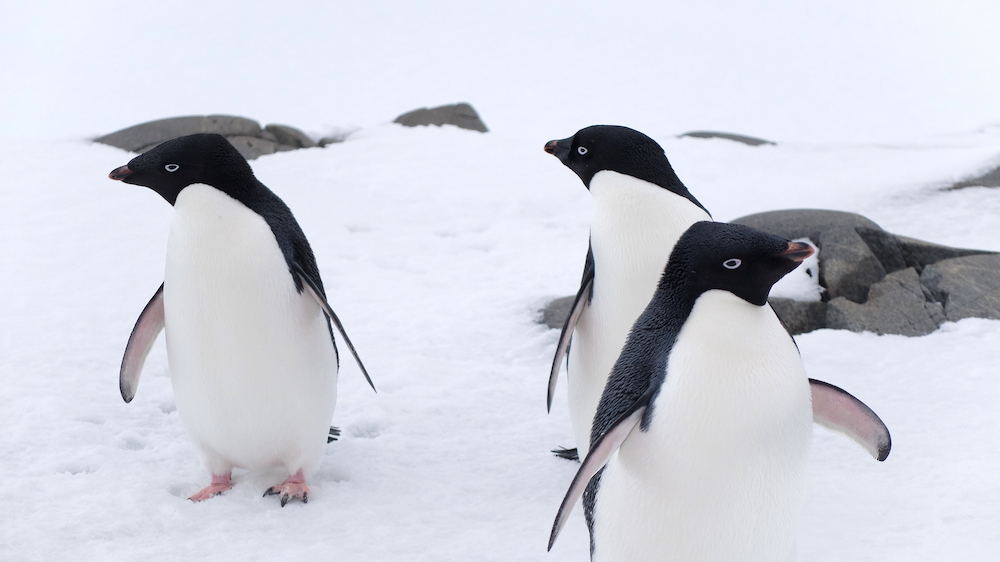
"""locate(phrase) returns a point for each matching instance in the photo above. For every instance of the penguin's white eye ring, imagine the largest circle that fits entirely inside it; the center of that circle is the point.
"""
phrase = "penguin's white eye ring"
(732, 263)
(172, 167)
(581, 150)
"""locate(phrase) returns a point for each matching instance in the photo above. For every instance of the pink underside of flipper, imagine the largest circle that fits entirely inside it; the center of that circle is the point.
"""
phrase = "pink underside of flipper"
(293, 487)
(220, 483)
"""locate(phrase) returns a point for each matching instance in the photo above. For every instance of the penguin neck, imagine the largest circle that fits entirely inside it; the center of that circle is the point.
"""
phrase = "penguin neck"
(636, 224)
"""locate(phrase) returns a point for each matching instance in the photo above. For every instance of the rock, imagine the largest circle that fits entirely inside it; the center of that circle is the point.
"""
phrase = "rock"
(804, 223)
(989, 179)
(800, 316)
(752, 141)
(920, 254)
(968, 286)
(554, 314)
(146, 135)
(848, 266)
(881, 282)
(245, 134)
(461, 115)
(290, 136)
(253, 147)
(898, 304)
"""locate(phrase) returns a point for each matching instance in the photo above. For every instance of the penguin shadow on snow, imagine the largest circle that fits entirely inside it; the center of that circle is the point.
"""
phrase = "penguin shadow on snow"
(250, 335)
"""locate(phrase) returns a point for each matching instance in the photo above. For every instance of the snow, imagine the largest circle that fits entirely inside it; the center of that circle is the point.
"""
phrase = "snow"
(802, 283)
(438, 245)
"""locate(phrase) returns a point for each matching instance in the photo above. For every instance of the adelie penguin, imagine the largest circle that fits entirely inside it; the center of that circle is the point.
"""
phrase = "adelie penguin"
(251, 352)
(641, 208)
(699, 445)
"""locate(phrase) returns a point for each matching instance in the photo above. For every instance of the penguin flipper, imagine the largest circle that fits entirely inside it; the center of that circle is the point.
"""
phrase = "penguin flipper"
(579, 302)
(600, 453)
(836, 409)
(564, 337)
(147, 327)
(310, 286)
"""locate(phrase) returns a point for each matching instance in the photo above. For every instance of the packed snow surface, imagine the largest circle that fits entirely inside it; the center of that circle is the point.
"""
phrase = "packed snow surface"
(438, 246)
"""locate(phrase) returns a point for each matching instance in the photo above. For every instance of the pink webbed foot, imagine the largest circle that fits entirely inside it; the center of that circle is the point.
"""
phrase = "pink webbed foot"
(293, 487)
(220, 483)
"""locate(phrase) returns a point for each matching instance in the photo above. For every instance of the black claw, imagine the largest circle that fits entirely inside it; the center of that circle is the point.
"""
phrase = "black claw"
(284, 500)
(270, 492)
(568, 454)
(305, 497)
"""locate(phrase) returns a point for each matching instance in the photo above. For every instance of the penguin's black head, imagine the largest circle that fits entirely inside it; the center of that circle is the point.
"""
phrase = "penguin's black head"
(617, 149)
(735, 258)
(170, 167)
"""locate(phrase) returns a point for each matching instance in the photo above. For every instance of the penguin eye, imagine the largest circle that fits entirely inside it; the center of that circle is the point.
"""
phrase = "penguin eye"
(732, 263)
(581, 150)
(172, 167)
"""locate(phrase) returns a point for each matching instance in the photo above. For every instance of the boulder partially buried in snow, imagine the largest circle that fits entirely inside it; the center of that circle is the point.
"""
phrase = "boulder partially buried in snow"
(745, 139)
(880, 282)
(990, 178)
(461, 115)
(874, 281)
(245, 134)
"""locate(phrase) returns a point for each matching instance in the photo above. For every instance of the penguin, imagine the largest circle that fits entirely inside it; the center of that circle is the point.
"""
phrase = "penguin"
(641, 208)
(699, 444)
(252, 356)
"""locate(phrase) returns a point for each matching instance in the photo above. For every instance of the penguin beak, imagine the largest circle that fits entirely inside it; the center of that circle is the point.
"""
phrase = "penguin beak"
(797, 251)
(559, 148)
(120, 173)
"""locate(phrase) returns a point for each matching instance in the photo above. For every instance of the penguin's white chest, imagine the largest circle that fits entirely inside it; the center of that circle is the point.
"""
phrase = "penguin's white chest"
(252, 364)
(634, 229)
(719, 475)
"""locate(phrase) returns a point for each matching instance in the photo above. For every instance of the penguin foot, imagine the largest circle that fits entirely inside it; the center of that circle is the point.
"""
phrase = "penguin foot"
(293, 487)
(568, 454)
(220, 483)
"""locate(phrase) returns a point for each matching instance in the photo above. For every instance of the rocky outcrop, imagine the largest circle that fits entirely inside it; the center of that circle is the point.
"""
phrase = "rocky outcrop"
(245, 134)
(990, 178)
(461, 115)
(752, 141)
(874, 280)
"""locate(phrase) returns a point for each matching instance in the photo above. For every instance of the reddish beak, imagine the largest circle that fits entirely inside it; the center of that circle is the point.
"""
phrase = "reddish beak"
(120, 173)
(797, 251)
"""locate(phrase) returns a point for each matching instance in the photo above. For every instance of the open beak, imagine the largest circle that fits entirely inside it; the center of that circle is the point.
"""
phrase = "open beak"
(797, 251)
(120, 173)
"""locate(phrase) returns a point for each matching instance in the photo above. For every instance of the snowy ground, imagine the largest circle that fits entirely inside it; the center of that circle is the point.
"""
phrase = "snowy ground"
(438, 245)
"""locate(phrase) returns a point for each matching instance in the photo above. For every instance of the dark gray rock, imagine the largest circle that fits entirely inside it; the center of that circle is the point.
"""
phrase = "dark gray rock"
(886, 249)
(752, 141)
(253, 147)
(289, 136)
(968, 286)
(800, 316)
(989, 179)
(911, 281)
(898, 304)
(461, 115)
(554, 314)
(920, 254)
(804, 223)
(141, 137)
(847, 266)
(245, 134)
